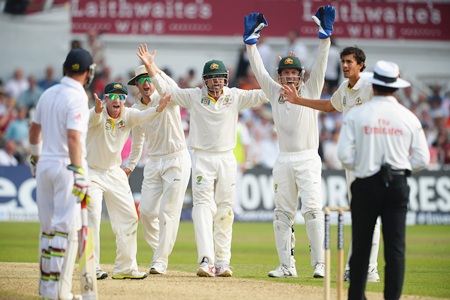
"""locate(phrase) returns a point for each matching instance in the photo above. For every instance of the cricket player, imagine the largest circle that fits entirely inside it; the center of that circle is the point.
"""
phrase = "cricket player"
(58, 149)
(383, 143)
(167, 172)
(212, 137)
(353, 92)
(298, 167)
(110, 124)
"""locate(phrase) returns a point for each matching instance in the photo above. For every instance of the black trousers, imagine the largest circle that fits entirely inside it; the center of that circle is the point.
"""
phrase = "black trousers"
(370, 199)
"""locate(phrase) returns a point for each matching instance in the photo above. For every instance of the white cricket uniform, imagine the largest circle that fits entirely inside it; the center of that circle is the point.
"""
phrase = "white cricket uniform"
(343, 100)
(60, 108)
(212, 136)
(105, 140)
(298, 167)
(166, 175)
(367, 135)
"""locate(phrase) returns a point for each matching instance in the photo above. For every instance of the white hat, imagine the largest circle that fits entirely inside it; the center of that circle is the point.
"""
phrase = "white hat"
(385, 74)
(139, 71)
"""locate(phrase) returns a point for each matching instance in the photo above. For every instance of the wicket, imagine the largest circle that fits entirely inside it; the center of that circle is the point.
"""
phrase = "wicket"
(340, 247)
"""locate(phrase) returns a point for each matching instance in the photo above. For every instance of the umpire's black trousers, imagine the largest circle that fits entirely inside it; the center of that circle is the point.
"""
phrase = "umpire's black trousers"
(371, 198)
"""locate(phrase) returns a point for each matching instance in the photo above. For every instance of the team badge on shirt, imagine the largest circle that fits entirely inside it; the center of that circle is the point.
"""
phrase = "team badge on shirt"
(344, 101)
(108, 124)
(358, 101)
(121, 125)
(205, 101)
(227, 101)
(275, 187)
(199, 180)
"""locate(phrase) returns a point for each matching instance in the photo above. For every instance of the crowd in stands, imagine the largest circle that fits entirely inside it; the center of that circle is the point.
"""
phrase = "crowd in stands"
(20, 93)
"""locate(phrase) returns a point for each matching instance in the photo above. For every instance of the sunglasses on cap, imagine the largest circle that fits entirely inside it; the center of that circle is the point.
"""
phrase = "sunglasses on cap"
(121, 97)
(142, 80)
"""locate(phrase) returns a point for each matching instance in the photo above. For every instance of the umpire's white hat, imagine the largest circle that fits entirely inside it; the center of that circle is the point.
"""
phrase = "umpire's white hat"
(386, 74)
(138, 72)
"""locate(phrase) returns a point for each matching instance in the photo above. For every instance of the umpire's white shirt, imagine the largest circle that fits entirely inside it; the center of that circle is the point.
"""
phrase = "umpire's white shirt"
(382, 131)
(107, 136)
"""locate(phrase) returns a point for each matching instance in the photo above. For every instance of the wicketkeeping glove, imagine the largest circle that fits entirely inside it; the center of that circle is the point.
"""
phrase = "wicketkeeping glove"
(33, 166)
(324, 18)
(253, 24)
(80, 185)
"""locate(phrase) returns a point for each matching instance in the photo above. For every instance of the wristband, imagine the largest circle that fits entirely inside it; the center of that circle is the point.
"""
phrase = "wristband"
(36, 150)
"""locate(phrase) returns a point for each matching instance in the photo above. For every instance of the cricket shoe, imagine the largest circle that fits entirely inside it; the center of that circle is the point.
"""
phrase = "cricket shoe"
(223, 271)
(101, 275)
(319, 270)
(206, 269)
(158, 268)
(372, 275)
(283, 272)
(135, 274)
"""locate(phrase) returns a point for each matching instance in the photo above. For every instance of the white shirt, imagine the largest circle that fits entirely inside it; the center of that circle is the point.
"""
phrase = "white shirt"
(107, 136)
(213, 125)
(164, 135)
(61, 107)
(297, 125)
(346, 98)
(382, 131)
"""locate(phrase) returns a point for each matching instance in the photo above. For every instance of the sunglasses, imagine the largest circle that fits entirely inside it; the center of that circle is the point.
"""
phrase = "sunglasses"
(121, 97)
(142, 80)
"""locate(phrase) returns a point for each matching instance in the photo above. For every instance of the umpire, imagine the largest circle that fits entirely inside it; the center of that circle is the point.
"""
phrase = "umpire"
(383, 143)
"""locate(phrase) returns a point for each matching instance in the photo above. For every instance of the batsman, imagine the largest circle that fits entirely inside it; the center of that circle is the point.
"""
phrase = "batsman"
(298, 168)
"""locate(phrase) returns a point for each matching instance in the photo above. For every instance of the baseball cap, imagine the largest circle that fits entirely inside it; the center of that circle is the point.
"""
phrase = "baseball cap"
(290, 62)
(386, 74)
(115, 87)
(213, 67)
(78, 60)
(139, 71)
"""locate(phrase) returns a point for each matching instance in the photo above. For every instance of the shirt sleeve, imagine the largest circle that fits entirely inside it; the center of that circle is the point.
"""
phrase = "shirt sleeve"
(346, 144)
(179, 96)
(94, 118)
(420, 153)
(317, 76)
(137, 144)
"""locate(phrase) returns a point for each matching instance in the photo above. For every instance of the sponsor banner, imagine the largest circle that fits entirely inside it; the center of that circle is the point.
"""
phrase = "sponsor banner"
(390, 20)
(429, 201)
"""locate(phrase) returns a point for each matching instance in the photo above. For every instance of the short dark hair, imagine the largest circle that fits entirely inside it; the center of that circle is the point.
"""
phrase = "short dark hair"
(384, 89)
(357, 53)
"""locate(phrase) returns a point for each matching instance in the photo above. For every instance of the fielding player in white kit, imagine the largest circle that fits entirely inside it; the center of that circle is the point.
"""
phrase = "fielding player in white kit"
(109, 129)
(166, 174)
(214, 114)
(298, 167)
(351, 93)
(57, 142)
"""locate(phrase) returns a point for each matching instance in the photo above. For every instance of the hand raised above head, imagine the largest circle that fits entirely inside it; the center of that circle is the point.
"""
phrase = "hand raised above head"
(253, 24)
(145, 56)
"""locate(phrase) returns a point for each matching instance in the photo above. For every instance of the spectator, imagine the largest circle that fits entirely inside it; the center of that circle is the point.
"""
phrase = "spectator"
(16, 85)
(17, 131)
(48, 80)
(30, 97)
(7, 154)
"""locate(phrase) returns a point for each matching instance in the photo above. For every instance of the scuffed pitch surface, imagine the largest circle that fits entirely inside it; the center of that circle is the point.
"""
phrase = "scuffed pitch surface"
(20, 281)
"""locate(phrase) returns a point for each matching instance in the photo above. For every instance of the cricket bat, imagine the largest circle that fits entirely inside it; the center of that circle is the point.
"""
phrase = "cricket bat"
(86, 259)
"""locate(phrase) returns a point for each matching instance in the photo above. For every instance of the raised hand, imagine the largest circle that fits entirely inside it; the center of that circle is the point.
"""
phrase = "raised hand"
(98, 104)
(253, 24)
(324, 18)
(165, 99)
(290, 94)
(145, 56)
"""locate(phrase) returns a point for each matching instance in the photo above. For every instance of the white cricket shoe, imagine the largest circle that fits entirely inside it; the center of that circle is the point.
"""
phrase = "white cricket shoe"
(372, 275)
(206, 269)
(283, 272)
(223, 270)
(319, 271)
(135, 274)
(158, 268)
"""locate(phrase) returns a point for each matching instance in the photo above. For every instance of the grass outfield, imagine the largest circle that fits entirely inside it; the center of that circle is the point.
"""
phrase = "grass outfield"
(254, 254)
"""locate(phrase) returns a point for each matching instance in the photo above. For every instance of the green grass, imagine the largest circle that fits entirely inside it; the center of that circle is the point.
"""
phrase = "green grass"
(254, 253)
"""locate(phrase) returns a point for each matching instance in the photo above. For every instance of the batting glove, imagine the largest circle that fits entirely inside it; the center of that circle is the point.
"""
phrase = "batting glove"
(80, 185)
(324, 18)
(253, 24)
(33, 166)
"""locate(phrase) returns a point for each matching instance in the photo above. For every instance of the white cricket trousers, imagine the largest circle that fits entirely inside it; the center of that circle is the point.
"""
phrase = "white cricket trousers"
(162, 196)
(113, 186)
(213, 185)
